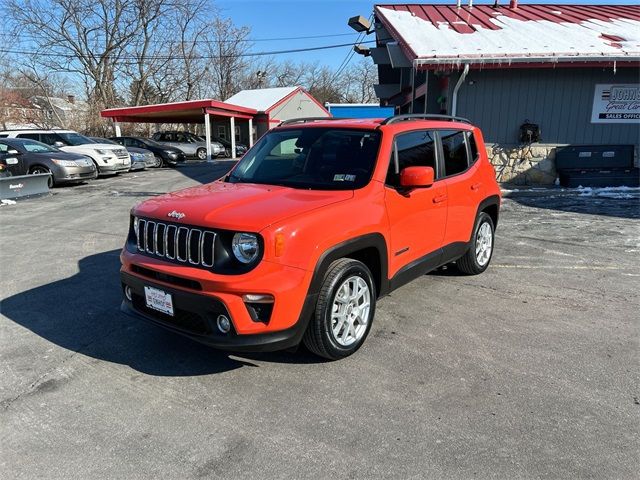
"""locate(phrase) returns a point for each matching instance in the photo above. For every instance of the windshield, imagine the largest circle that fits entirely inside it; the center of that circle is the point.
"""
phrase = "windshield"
(75, 138)
(32, 146)
(151, 143)
(311, 158)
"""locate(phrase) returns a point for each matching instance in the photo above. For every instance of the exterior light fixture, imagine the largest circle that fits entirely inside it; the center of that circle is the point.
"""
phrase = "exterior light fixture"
(360, 24)
(362, 50)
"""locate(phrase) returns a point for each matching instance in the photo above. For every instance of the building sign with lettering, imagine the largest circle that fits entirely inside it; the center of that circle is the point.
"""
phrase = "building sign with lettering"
(616, 103)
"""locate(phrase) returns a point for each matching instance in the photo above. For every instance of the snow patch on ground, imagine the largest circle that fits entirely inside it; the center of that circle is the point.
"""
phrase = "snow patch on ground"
(7, 202)
(609, 192)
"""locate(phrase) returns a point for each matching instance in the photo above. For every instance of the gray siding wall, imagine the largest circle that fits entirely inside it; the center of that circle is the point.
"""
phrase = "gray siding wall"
(557, 99)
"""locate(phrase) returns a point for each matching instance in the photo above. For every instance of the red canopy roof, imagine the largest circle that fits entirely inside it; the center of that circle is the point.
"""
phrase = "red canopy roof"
(178, 112)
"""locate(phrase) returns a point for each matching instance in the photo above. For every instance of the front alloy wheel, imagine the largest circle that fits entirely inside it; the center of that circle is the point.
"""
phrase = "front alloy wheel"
(38, 170)
(344, 310)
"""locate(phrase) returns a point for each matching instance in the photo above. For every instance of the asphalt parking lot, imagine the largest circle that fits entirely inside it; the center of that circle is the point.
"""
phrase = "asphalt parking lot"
(528, 371)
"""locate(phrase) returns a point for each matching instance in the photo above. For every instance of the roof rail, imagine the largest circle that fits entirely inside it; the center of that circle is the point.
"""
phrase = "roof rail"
(422, 116)
(305, 120)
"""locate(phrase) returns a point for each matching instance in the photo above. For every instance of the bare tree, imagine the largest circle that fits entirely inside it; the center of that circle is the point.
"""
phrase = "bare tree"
(359, 81)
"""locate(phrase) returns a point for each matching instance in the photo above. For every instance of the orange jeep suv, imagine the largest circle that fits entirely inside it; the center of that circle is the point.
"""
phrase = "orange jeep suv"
(319, 219)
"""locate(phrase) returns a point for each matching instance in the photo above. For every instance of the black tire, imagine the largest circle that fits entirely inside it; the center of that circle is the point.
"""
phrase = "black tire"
(201, 153)
(319, 337)
(40, 169)
(159, 161)
(469, 263)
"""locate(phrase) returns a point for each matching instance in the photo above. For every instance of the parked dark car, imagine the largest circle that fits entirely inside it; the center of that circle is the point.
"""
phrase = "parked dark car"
(141, 158)
(165, 156)
(241, 148)
(22, 156)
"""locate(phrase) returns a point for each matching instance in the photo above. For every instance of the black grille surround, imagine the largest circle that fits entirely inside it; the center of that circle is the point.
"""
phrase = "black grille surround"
(188, 245)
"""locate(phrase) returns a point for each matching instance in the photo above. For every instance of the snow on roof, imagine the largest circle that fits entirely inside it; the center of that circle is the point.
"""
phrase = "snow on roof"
(61, 103)
(436, 34)
(261, 99)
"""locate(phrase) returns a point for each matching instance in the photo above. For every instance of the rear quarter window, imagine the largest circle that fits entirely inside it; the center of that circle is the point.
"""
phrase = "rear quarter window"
(454, 151)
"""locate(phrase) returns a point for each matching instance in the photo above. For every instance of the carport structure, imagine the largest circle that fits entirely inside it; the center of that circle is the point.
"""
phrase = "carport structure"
(192, 111)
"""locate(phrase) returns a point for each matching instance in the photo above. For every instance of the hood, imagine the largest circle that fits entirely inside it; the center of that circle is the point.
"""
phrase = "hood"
(137, 150)
(238, 206)
(59, 155)
(92, 146)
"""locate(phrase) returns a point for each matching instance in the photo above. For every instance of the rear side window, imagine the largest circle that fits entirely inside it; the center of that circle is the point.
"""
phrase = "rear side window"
(31, 136)
(454, 152)
(414, 149)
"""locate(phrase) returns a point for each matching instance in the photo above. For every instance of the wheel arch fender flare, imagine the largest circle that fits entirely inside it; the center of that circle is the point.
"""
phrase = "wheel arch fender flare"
(368, 243)
(491, 201)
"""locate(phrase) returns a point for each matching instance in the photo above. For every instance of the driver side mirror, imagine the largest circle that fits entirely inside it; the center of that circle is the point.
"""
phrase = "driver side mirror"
(417, 177)
(58, 144)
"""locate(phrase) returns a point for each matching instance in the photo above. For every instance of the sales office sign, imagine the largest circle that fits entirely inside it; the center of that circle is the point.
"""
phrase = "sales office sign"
(616, 103)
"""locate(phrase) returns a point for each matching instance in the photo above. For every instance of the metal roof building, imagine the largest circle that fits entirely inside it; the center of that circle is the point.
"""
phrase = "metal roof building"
(571, 69)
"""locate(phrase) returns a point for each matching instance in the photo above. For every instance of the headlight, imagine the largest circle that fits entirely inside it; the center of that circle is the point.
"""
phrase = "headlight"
(101, 151)
(169, 151)
(245, 247)
(65, 163)
(137, 156)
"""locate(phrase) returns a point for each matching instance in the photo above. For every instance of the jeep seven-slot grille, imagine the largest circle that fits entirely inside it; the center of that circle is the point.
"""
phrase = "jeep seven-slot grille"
(175, 242)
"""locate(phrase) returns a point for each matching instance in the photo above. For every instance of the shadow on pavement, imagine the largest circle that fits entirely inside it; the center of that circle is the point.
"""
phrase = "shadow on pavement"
(81, 313)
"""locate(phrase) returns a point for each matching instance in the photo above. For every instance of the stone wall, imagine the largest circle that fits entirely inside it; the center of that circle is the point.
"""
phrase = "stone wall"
(524, 164)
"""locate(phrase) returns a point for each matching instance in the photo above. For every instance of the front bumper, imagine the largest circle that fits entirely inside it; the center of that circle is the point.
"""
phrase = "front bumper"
(199, 296)
(74, 174)
(195, 317)
(114, 167)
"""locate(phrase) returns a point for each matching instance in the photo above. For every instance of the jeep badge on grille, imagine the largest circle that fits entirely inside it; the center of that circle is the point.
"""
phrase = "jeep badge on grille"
(174, 214)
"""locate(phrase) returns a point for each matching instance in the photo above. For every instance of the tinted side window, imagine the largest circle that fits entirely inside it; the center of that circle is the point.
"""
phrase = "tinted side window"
(454, 150)
(30, 136)
(415, 149)
(52, 138)
(473, 148)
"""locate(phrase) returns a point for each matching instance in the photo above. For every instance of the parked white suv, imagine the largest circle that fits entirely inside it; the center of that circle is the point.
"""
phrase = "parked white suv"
(108, 158)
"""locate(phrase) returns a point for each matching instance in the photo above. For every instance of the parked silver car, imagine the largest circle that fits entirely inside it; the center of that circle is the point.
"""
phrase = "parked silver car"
(190, 144)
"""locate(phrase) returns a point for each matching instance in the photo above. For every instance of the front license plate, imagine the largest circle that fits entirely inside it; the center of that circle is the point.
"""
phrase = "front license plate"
(158, 300)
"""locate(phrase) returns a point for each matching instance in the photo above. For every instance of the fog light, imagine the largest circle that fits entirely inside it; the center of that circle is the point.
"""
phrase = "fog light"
(257, 298)
(224, 324)
(128, 293)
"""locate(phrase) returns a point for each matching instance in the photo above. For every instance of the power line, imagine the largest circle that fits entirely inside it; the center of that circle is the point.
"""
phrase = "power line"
(182, 57)
(243, 40)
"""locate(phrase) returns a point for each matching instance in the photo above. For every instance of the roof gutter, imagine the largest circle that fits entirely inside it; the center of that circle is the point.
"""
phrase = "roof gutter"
(529, 59)
(454, 101)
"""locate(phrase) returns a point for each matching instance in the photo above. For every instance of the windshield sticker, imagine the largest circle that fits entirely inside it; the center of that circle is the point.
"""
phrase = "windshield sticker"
(341, 177)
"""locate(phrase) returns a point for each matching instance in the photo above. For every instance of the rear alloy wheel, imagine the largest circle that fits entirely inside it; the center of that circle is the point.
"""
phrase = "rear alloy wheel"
(201, 153)
(477, 258)
(344, 311)
(38, 169)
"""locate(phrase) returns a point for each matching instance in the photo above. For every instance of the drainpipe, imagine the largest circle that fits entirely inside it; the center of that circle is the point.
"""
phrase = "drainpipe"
(454, 102)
